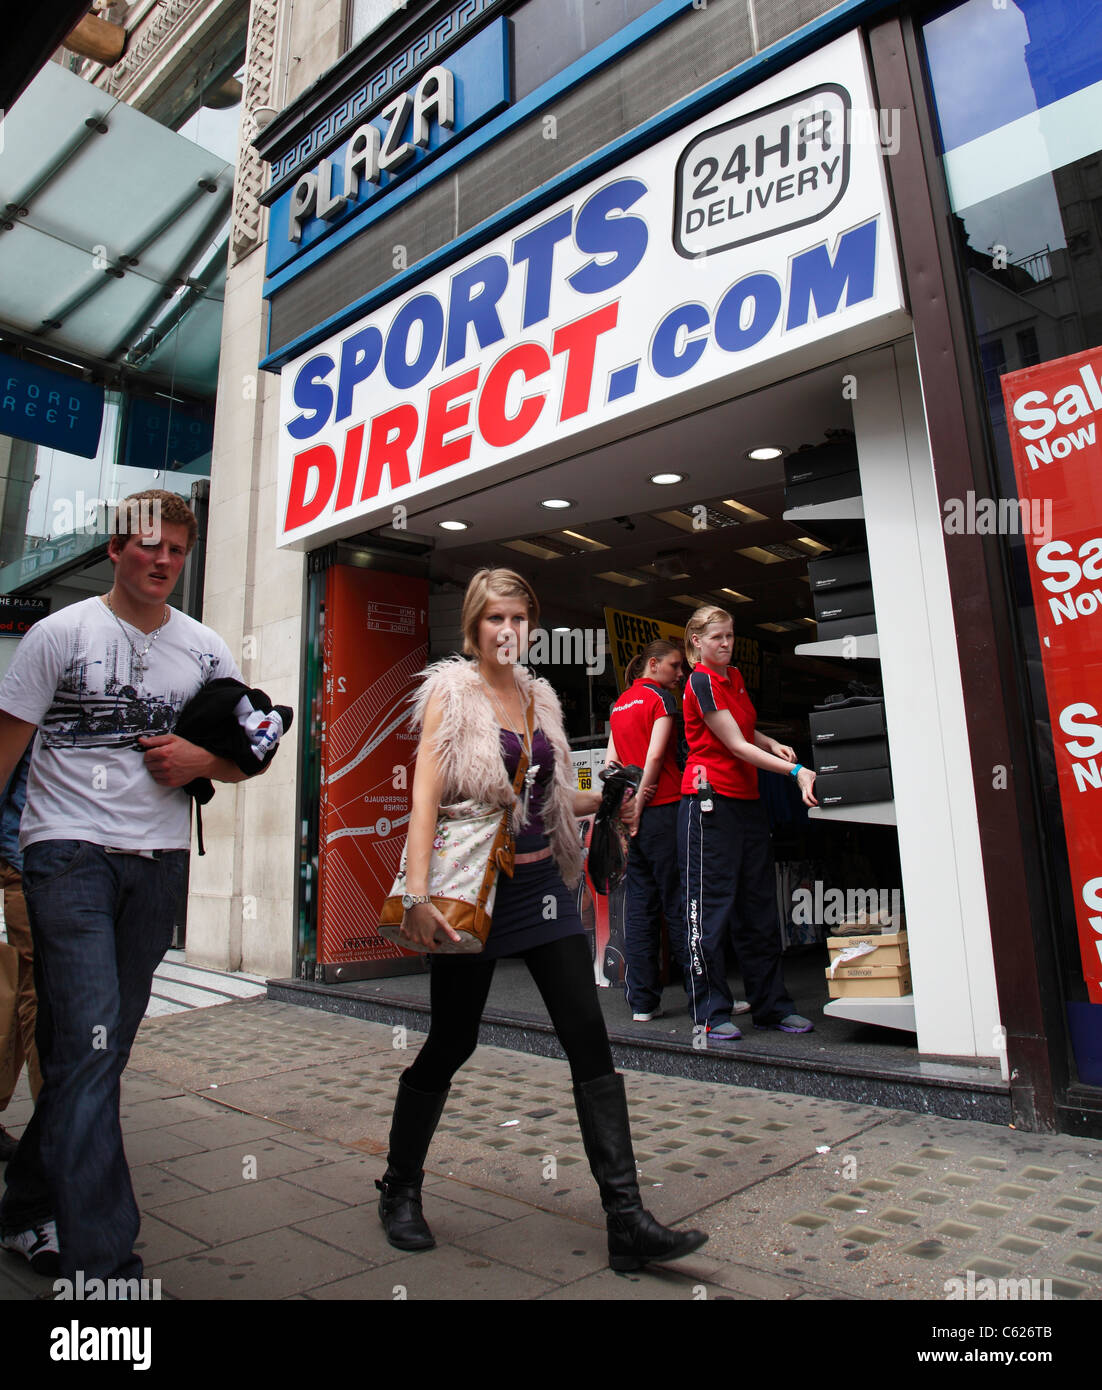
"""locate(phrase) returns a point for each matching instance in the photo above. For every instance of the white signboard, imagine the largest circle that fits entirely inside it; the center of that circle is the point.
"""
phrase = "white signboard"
(756, 231)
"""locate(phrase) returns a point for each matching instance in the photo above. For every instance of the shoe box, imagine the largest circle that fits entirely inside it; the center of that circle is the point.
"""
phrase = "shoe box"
(823, 461)
(890, 949)
(860, 625)
(853, 788)
(883, 971)
(850, 722)
(832, 488)
(859, 756)
(839, 572)
(832, 605)
(889, 985)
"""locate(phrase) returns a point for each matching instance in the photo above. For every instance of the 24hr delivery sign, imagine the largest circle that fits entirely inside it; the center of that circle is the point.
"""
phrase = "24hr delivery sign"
(1054, 414)
(759, 230)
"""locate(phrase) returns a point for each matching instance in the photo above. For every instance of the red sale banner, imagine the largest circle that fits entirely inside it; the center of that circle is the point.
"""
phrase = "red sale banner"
(376, 640)
(1053, 413)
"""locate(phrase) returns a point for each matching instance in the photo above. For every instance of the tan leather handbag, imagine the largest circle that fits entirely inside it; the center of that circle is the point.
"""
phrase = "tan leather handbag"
(472, 842)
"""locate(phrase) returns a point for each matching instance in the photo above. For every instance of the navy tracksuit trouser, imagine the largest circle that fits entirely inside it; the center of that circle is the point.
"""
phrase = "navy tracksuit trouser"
(652, 883)
(729, 883)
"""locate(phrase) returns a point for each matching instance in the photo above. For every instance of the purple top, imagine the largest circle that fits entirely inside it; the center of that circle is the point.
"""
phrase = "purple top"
(544, 755)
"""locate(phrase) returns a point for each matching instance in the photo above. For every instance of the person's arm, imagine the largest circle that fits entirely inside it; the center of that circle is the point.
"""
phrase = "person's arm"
(422, 924)
(656, 753)
(779, 750)
(15, 734)
(611, 756)
(174, 762)
(723, 726)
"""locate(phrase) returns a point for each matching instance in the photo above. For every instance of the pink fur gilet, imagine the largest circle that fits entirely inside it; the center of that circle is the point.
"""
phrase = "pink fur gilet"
(468, 749)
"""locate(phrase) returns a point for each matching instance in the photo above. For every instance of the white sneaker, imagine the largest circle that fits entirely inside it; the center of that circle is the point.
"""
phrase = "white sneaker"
(646, 1018)
(38, 1246)
(740, 1006)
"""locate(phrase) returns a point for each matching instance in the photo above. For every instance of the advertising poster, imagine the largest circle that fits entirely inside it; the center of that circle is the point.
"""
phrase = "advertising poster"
(1052, 415)
(376, 640)
(630, 633)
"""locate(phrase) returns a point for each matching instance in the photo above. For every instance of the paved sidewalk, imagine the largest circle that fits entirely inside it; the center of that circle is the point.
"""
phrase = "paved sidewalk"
(255, 1129)
(178, 987)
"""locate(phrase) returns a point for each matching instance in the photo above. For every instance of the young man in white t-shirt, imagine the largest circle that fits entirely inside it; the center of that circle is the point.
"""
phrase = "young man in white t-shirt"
(105, 837)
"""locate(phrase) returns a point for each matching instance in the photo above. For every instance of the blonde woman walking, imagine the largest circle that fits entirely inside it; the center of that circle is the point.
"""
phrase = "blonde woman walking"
(474, 725)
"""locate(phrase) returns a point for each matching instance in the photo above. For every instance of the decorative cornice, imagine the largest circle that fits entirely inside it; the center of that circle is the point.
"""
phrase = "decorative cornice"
(259, 84)
(146, 41)
(417, 53)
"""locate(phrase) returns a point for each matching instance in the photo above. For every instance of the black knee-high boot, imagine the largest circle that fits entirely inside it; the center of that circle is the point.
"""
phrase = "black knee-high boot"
(416, 1115)
(634, 1236)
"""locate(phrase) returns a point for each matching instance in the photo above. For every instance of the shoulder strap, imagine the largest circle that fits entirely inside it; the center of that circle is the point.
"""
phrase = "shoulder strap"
(522, 761)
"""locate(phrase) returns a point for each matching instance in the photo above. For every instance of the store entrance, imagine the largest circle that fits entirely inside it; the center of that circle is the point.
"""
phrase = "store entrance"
(753, 506)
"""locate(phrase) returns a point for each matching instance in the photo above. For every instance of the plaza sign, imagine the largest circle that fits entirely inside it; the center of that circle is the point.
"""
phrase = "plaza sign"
(611, 300)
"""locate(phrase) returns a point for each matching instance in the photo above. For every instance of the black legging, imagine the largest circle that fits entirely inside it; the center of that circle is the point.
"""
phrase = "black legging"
(563, 972)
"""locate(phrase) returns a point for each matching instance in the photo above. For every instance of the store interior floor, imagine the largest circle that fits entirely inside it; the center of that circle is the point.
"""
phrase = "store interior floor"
(862, 1048)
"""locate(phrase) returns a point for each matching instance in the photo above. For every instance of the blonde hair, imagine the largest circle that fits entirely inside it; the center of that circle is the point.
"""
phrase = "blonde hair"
(702, 619)
(493, 583)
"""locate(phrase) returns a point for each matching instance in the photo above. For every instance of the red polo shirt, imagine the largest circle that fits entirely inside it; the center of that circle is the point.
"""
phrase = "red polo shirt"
(705, 692)
(632, 718)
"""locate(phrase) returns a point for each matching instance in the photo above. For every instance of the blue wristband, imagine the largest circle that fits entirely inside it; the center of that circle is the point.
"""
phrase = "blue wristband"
(795, 772)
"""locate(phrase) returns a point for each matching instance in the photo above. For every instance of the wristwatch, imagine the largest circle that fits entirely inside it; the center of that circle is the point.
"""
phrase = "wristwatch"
(412, 899)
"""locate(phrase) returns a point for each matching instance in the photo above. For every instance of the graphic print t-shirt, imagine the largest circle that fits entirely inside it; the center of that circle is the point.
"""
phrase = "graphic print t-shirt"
(77, 677)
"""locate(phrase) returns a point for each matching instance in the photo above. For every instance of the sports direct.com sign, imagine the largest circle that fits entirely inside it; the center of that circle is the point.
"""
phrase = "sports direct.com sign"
(760, 230)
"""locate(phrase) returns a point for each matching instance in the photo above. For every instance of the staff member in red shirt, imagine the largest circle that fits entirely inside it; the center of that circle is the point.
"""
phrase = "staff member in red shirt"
(723, 838)
(642, 733)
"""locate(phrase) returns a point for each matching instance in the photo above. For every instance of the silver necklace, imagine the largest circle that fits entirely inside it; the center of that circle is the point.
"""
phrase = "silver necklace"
(139, 666)
(526, 744)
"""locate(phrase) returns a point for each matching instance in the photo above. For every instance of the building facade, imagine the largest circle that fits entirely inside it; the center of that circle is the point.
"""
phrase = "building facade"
(490, 255)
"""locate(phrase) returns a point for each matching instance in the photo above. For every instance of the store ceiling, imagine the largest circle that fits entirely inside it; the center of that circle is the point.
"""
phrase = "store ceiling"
(619, 507)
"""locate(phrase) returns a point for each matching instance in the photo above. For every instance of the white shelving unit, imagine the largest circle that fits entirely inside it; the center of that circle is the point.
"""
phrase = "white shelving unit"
(871, 812)
(885, 1013)
(845, 509)
(868, 648)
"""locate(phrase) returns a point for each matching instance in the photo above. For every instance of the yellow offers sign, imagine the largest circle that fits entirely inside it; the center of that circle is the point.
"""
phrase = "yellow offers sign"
(630, 633)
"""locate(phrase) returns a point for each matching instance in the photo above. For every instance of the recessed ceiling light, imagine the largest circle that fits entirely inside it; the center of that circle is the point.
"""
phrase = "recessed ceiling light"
(764, 452)
(615, 577)
(667, 479)
(557, 503)
(747, 513)
(734, 594)
(761, 555)
(587, 541)
(453, 525)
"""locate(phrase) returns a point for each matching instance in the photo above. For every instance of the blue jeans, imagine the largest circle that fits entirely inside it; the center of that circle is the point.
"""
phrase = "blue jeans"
(100, 924)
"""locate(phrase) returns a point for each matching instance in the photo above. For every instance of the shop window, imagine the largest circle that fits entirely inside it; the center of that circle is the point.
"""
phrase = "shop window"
(549, 35)
(51, 502)
(1029, 354)
(994, 365)
(1020, 154)
(365, 16)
